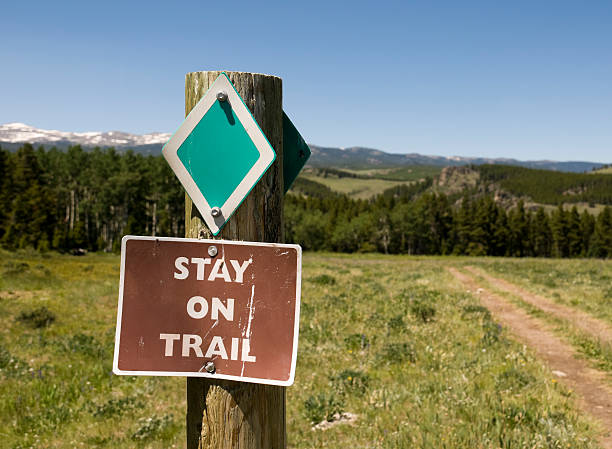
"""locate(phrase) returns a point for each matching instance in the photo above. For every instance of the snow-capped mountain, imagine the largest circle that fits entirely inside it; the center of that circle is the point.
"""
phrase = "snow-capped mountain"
(19, 133)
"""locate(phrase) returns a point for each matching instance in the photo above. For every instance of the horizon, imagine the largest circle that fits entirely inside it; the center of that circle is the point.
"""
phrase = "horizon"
(454, 156)
(521, 80)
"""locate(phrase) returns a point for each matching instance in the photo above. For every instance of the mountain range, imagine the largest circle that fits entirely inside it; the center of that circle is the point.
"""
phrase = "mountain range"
(13, 135)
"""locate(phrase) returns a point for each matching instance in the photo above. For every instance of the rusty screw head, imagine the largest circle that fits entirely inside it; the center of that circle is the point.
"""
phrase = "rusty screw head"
(212, 251)
(210, 367)
(221, 96)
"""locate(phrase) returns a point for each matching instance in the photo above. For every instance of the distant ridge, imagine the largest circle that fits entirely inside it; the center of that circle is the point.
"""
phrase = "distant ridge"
(13, 135)
(364, 158)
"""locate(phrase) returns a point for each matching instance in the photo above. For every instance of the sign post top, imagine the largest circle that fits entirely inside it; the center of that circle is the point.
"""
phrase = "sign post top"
(219, 153)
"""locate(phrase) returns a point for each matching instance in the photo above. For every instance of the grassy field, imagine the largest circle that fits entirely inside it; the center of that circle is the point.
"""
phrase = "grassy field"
(408, 173)
(356, 188)
(371, 182)
(606, 170)
(393, 340)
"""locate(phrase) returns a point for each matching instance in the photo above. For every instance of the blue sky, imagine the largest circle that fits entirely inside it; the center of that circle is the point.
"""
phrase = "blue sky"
(529, 80)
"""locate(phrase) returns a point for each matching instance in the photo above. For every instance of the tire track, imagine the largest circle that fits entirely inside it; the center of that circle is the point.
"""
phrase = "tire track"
(595, 396)
(581, 320)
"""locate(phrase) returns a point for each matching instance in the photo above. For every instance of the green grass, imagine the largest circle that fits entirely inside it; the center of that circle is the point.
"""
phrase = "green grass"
(56, 386)
(391, 339)
(371, 182)
(408, 173)
(605, 170)
(356, 188)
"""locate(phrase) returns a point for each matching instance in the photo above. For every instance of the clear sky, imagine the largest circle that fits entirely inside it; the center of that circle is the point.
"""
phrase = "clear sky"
(521, 79)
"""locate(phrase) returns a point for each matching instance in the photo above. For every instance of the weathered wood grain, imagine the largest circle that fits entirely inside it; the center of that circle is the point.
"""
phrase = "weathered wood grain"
(225, 414)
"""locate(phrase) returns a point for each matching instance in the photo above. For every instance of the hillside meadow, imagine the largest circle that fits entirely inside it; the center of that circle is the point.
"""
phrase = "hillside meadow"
(358, 188)
(393, 353)
(368, 183)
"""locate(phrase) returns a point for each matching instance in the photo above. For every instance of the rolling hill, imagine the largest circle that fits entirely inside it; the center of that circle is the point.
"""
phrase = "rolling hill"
(507, 184)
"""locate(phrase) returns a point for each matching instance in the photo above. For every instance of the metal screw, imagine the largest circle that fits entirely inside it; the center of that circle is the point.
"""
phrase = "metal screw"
(215, 212)
(210, 367)
(221, 96)
(212, 251)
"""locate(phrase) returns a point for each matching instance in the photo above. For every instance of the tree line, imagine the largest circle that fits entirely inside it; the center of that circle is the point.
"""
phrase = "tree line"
(64, 200)
(430, 223)
(414, 220)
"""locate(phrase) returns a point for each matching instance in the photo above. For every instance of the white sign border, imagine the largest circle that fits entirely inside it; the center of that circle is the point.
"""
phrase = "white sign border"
(266, 153)
(296, 328)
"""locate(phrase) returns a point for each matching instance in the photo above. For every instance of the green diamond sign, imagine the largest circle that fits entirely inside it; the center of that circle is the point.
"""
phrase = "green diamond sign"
(295, 152)
(219, 153)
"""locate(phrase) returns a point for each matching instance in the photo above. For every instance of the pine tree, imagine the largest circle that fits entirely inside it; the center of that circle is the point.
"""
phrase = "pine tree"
(6, 177)
(541, 235)
(403, 228)
(501, 235)
(587, 227)
(574, 239)
(463, 226)
(558, 224)
(481, 237)
(518, 221)
(31, 220)
(601, 242)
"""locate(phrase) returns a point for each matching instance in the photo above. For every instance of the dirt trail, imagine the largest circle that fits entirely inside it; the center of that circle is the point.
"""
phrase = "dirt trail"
(595, 396)
(578, 318)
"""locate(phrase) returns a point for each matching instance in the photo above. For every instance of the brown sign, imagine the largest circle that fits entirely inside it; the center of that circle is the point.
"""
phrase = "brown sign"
(208, 308)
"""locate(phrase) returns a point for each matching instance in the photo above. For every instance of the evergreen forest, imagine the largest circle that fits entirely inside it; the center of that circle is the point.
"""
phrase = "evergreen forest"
(87, 200)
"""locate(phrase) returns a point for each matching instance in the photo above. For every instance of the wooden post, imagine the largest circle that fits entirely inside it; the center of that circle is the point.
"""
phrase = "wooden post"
(226, 414)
